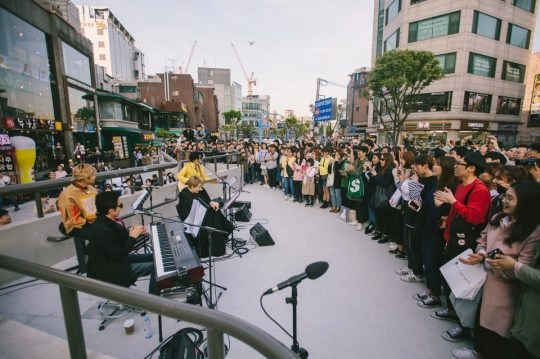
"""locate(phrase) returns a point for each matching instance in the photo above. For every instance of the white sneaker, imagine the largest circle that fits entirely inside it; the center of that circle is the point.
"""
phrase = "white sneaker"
(463, 353)
(286, 198)
(412, 278)
(404, 271)
(359, 227)
(266, 186)
(353, 223)
(392, 246)
(343, 215)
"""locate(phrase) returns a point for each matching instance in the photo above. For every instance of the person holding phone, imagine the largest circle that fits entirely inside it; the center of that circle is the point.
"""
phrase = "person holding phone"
(516, 233)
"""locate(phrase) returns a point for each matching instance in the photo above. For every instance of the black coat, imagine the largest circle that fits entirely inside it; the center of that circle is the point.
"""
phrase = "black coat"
(108, 251)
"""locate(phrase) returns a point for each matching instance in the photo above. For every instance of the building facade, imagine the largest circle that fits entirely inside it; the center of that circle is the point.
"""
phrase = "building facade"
(47, 81)
(228, 95)
(484, 48)
(357, 103)
(114, 47)
(530, 115)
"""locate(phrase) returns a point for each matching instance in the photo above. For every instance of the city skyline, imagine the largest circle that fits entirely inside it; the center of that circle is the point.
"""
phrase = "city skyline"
(277, 39)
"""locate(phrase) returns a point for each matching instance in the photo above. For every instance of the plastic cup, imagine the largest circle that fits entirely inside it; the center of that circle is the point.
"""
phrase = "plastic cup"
(129, 326)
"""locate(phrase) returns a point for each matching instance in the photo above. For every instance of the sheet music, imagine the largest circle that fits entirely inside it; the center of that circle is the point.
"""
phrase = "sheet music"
(139, 202)
(195, 217)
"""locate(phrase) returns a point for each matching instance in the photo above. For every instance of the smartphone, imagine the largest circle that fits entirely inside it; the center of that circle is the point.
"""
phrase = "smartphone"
(414, 206)
(494, 253)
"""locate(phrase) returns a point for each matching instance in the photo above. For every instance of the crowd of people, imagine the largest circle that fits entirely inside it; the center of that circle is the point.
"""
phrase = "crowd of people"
(430, 206)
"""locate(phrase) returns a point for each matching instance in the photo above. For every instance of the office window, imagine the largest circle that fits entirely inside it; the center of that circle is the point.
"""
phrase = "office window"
(102, 57)
(527, 5)
(391, 12)
(429, 102)
(508, 105)
(99, 31)
(101, 44)
(392, 42)
(175, 93)
(486, 25)
(448, 62)
(482, 65)
(434, 27)
(476, 102)
(518, 36)
(513, 72)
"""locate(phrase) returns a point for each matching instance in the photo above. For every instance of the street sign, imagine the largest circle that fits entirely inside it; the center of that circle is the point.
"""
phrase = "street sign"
(323, 110)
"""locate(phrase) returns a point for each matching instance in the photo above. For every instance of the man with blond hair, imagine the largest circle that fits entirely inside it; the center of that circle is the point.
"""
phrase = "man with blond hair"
(77, 204)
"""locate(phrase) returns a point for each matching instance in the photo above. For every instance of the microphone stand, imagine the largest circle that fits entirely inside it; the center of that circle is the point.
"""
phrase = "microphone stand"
(294, 301)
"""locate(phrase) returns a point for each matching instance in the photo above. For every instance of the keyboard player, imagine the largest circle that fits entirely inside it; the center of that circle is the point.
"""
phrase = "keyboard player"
(109, 257)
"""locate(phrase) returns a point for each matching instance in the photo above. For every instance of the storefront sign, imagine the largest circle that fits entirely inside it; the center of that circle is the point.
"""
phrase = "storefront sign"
(6, 162)
(149, 136)
(4, 139)
(422, 125)
(467, 125)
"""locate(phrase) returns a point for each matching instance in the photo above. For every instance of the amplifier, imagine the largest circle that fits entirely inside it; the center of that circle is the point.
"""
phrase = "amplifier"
(261, 235)
(242, 214)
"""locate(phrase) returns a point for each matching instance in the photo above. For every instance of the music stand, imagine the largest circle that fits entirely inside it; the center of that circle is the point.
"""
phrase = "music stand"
(137, 206)
(193, 224)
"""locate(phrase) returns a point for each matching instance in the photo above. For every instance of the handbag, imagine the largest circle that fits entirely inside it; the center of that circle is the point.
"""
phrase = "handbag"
(465, 280)
(263, 166)
(466, 309)
(330, 180)
(382, 196)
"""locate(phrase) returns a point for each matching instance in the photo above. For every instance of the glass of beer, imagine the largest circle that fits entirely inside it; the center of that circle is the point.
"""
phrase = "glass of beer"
(25, 157)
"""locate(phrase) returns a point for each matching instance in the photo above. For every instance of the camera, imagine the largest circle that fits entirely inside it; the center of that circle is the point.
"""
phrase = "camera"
(530, 162)
(494, 253)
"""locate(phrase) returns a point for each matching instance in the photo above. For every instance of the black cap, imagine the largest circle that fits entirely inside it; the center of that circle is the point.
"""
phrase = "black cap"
(474, 158)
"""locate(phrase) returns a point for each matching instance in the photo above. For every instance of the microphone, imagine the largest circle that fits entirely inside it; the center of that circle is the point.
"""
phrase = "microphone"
(313, 271)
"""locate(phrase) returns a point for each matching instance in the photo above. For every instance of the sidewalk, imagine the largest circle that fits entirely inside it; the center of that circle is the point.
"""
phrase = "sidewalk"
(358, 309)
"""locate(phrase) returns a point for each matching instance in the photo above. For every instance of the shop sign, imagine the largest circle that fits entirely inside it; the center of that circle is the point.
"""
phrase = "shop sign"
(32, 123)
(422, 125)
(467, 125)
(6, 162)
(4, 139)
(149, 136)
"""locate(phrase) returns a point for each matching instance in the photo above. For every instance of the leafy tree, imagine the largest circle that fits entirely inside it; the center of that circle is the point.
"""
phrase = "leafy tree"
(232, 116)
(396, 80)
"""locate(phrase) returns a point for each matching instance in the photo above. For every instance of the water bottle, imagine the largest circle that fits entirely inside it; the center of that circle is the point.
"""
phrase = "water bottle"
(147, 326)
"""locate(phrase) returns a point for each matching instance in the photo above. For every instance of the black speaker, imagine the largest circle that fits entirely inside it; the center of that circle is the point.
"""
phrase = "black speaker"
(242, 214)
(238, 204)
(261, 235)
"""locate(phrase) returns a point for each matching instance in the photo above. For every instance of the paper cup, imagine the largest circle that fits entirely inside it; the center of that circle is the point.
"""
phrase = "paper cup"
(129, 326)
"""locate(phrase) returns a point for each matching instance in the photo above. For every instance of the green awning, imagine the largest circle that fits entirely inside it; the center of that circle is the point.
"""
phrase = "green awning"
(154, 143)
(119, 98)
(121, 129)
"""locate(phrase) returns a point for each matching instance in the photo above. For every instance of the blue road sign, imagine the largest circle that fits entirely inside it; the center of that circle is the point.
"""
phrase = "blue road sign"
(323, 110)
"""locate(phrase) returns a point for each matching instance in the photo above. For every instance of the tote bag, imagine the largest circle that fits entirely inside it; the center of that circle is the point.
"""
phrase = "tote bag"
(355, 188)
(465, 280)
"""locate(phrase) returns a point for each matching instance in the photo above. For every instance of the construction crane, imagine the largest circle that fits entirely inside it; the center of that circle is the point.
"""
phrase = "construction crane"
(189, 59)
(250, 79)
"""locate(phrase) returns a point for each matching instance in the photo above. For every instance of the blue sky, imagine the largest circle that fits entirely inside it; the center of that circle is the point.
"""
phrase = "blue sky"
(296, 41)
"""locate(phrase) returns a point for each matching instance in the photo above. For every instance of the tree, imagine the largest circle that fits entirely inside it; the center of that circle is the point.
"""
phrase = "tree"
(232, 116)
(396, 80)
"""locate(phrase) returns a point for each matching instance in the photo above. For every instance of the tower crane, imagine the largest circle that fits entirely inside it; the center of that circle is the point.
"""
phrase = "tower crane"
(189, 58)
(250, 79)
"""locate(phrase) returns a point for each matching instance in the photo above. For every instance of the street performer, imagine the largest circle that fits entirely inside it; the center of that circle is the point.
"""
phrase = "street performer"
(214, 218)
(193, 168)
(77, 204)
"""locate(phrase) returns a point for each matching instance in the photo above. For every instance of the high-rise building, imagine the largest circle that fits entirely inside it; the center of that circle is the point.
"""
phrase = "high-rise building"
(484, 48)
(114, 47)
(357, 103)
(64, 8)
(227, 94)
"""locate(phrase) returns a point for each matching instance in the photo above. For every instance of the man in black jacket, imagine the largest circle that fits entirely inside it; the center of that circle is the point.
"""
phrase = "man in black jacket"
(109, 257)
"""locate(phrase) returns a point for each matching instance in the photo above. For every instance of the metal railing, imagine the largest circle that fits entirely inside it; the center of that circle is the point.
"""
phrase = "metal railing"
(41, 187)
(217, 323)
